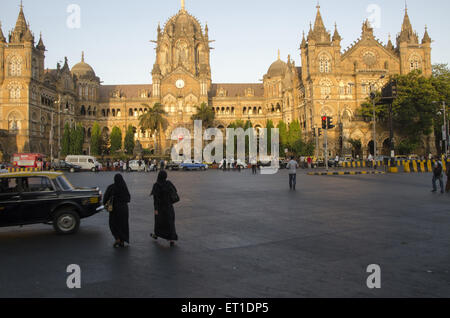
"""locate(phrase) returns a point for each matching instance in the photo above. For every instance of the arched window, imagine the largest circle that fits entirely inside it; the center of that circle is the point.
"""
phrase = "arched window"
(325, 88)
(15, 66)
(83, 111)
(324, 64)
(13, 122)
(415, 63)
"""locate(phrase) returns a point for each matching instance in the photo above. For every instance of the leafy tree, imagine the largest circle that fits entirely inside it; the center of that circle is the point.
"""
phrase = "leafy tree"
(96, 140)
(65, 142)
(205, 114)
(269, 126)
(116, 140)
(104, 142)
(129, 140)
(356, 146)
(294, 134)
(414, 112)
(153, 120)
(283, 130)
(441, 82)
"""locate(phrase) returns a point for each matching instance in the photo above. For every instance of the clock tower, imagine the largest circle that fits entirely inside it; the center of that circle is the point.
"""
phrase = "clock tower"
(182, 72)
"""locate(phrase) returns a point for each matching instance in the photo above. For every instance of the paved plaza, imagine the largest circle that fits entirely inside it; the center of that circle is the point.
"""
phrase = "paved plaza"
(248, 236)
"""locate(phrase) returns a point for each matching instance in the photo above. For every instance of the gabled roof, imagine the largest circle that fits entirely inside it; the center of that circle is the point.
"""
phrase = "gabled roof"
(234, 90)
(130, 91)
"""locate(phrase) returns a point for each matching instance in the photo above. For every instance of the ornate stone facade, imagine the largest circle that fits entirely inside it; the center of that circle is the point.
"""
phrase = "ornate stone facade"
(35, 103)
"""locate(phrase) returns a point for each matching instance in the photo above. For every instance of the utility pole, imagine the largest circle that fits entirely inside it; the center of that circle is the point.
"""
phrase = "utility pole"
(445, 128)
(326, 147)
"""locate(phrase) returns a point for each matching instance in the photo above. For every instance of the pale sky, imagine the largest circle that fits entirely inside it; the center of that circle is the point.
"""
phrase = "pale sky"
(116, 34)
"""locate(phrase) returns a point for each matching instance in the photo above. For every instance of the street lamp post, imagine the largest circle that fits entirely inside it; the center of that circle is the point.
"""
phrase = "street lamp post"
(445, 127)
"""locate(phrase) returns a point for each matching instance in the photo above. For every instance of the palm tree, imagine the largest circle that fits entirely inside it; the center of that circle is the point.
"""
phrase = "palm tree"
(155, 121)
(205, 114)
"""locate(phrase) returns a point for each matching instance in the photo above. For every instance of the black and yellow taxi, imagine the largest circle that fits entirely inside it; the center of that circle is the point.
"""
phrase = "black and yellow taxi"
(45, 197)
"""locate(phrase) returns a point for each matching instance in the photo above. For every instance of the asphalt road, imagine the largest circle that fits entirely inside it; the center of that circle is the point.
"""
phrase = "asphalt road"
(248, 236)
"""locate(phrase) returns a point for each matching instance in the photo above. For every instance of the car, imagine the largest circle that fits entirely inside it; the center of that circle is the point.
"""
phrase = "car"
(46, 197)
(85, 162)
(193, 165)
(65, 166)
(133, 165)
(401, 158)
(173, 166)
(241, 164)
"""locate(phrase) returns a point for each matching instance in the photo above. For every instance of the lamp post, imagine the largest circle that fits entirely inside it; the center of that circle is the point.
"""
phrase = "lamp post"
(444, 129)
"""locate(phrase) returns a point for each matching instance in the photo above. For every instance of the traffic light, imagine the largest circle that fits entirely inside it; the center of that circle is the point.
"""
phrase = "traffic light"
(324, 122)
(320, 132)
(394, 88)
(330, 123)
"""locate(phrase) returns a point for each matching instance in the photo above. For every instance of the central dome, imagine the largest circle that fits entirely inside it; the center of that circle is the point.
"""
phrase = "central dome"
(83, 69)
(182, 21)
(278, 68)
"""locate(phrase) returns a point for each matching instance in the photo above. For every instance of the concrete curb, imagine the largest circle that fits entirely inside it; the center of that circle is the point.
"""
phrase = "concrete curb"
(344, 173)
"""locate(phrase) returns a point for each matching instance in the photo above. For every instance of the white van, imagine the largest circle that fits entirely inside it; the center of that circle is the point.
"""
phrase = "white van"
(85, 162)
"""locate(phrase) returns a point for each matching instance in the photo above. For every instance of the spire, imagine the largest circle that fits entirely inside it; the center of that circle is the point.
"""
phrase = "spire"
(407, 34)
(389, 45)
(21, 26)
(367, 30)
(336, 35)
(303, 44)
(82, 56)
(2, 37)
(426, 37)
(318, 25)
(40, 44)
(279, 56)
(319, 33)
(182, 5)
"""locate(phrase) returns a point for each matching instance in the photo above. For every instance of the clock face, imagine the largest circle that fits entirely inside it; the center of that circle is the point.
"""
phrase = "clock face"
(179, 84)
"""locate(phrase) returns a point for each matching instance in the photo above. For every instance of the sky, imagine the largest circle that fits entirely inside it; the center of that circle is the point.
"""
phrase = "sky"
(115, 34)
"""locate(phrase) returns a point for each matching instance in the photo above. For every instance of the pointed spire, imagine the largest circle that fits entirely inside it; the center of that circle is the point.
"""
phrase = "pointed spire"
(389, 45)
(182, 5)
(40, 44)
(318, 25)
(426, 36)
(319, 33)
(407, 34)
(279, 55)
(82, 56)
(2, 37)
(336, 35)
(303, 44)
(20, 28)
(367, 30)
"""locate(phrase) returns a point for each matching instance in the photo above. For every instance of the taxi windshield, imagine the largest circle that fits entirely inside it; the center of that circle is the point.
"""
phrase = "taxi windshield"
(64, 183)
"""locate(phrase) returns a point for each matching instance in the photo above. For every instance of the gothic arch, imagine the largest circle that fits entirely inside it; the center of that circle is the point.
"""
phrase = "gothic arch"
(326, 111)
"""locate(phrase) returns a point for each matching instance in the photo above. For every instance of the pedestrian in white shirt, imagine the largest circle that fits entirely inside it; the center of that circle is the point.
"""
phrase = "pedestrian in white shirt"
(292, 167)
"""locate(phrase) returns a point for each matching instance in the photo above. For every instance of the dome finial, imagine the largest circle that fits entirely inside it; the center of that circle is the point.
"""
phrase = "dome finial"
(279, 56)
(182, 5)
(82, 56)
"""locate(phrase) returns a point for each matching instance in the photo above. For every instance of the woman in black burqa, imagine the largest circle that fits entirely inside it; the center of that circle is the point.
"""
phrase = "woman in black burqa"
(118, 218)
(164, 212)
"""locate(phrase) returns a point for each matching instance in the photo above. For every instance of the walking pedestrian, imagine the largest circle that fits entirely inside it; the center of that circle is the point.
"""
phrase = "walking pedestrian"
(164, 194)
(224, 165)
(118, 196)
(253, 162)
(438, 175)
(447, 186)
(161, 164)
(292, 166)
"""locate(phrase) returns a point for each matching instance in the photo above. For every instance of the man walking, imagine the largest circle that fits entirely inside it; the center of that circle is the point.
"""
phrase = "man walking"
(292, 166)
(438, 175)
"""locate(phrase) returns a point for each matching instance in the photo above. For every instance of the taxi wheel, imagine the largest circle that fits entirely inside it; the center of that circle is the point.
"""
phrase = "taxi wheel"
(93, 170)
(66, 221)
(72, 170)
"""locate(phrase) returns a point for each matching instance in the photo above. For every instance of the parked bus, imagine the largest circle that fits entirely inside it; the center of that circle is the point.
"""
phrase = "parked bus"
(29, 160)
